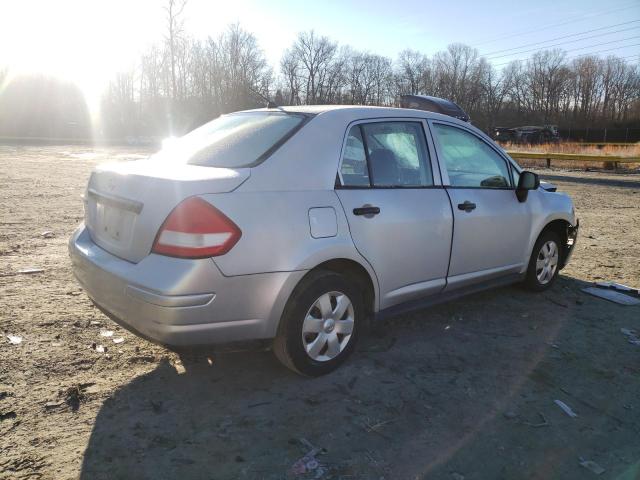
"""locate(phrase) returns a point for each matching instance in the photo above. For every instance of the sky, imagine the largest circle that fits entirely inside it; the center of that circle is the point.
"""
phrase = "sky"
(88, 40)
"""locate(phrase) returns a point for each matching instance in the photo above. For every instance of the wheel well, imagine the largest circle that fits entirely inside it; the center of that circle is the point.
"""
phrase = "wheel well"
(560, 228)
(356, 272)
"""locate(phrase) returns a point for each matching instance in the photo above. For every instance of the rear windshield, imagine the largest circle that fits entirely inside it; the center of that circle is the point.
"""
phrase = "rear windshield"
(233, 141)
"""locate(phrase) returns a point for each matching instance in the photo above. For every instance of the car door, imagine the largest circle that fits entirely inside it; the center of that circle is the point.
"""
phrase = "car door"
(398, 212)
(491, 227)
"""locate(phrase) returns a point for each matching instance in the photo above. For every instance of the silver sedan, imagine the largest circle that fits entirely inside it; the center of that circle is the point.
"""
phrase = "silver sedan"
(300, 224)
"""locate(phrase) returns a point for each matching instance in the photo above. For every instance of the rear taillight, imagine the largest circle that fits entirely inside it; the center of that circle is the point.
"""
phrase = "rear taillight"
(196, 229)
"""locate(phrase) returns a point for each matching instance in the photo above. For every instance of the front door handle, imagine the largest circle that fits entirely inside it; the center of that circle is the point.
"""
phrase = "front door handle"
(367, 211)
(467, 206)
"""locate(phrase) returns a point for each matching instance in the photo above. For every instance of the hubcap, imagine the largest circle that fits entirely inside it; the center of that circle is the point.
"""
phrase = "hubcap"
(328, 326)
(547, 262)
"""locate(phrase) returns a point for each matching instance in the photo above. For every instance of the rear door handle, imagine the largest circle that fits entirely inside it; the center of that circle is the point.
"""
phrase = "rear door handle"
(367, 210)
(467, 206)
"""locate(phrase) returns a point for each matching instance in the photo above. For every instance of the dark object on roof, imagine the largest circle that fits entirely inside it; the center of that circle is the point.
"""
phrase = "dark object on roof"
(434, 104)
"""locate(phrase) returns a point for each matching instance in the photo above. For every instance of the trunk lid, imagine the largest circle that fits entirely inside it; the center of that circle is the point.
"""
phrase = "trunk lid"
(126, 203)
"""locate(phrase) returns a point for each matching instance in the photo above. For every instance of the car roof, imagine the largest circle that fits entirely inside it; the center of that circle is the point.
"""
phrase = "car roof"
(316, 109)
(355, 112)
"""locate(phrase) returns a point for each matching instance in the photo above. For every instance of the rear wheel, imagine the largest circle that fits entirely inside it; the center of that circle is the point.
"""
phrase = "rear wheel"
(320, 324)
(544, 264)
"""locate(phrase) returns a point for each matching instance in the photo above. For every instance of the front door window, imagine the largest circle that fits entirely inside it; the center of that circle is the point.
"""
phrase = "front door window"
(469, 161)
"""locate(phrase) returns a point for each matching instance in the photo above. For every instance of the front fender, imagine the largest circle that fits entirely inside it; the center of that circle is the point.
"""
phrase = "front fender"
(549, 207)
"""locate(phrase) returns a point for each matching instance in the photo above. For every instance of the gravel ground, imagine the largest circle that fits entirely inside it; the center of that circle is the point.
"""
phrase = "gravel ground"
(463, 390)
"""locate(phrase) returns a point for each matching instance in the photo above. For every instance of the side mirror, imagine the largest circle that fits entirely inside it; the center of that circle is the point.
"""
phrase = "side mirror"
(528, 181)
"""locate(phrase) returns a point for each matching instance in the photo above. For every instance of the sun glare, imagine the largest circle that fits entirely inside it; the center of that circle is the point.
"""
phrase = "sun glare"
(84, 42)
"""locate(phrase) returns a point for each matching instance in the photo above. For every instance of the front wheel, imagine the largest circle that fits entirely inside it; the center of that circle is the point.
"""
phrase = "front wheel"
(544, 264)
(319, 326)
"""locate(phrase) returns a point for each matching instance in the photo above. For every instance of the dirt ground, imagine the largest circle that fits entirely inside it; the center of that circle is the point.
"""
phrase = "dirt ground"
(464, 390)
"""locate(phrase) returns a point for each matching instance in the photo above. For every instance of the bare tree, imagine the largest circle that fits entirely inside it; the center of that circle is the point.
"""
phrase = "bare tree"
(369, 78)
(495, 88)
(547, 77)
(175, 23)
(457, 75)
(290, 69)
(586, 86)
(382, 78)
(244, 69)
(620, 88)
(315, 55)
(413, 70)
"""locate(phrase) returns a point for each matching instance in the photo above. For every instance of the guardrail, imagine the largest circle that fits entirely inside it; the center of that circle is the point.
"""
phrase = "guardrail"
(577, 157)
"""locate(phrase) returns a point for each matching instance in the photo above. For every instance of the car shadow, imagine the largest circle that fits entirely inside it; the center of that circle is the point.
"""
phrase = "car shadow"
(429, 393)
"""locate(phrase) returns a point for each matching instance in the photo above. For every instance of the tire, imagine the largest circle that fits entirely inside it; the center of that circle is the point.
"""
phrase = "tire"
(326, 342)
(544, 260)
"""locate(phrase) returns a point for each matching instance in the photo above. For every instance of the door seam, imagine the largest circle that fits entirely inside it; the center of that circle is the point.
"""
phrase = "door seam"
(453, 231)
(353, 242)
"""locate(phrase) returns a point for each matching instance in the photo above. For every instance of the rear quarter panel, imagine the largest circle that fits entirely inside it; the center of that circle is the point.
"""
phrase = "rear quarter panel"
(276, 234)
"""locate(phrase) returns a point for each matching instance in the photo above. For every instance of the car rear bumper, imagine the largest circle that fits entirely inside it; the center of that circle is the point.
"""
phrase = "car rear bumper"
(180, 302)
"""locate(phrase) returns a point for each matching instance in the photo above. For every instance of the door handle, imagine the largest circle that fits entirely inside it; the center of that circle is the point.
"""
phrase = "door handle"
(467, 206)
(367, 210)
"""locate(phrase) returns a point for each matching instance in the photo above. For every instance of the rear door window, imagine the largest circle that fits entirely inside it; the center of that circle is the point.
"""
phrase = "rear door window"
(469, 161)
(354, 168)
(386, 154)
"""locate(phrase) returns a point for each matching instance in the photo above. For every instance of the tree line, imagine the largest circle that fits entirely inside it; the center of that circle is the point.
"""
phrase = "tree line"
(183, 82)
(230, 73)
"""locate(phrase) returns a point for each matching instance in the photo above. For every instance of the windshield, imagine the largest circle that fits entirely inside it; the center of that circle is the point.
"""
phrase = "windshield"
(233, 141)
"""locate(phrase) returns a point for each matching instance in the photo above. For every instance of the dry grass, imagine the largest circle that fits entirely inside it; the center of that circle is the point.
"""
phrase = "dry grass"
(632, 150)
